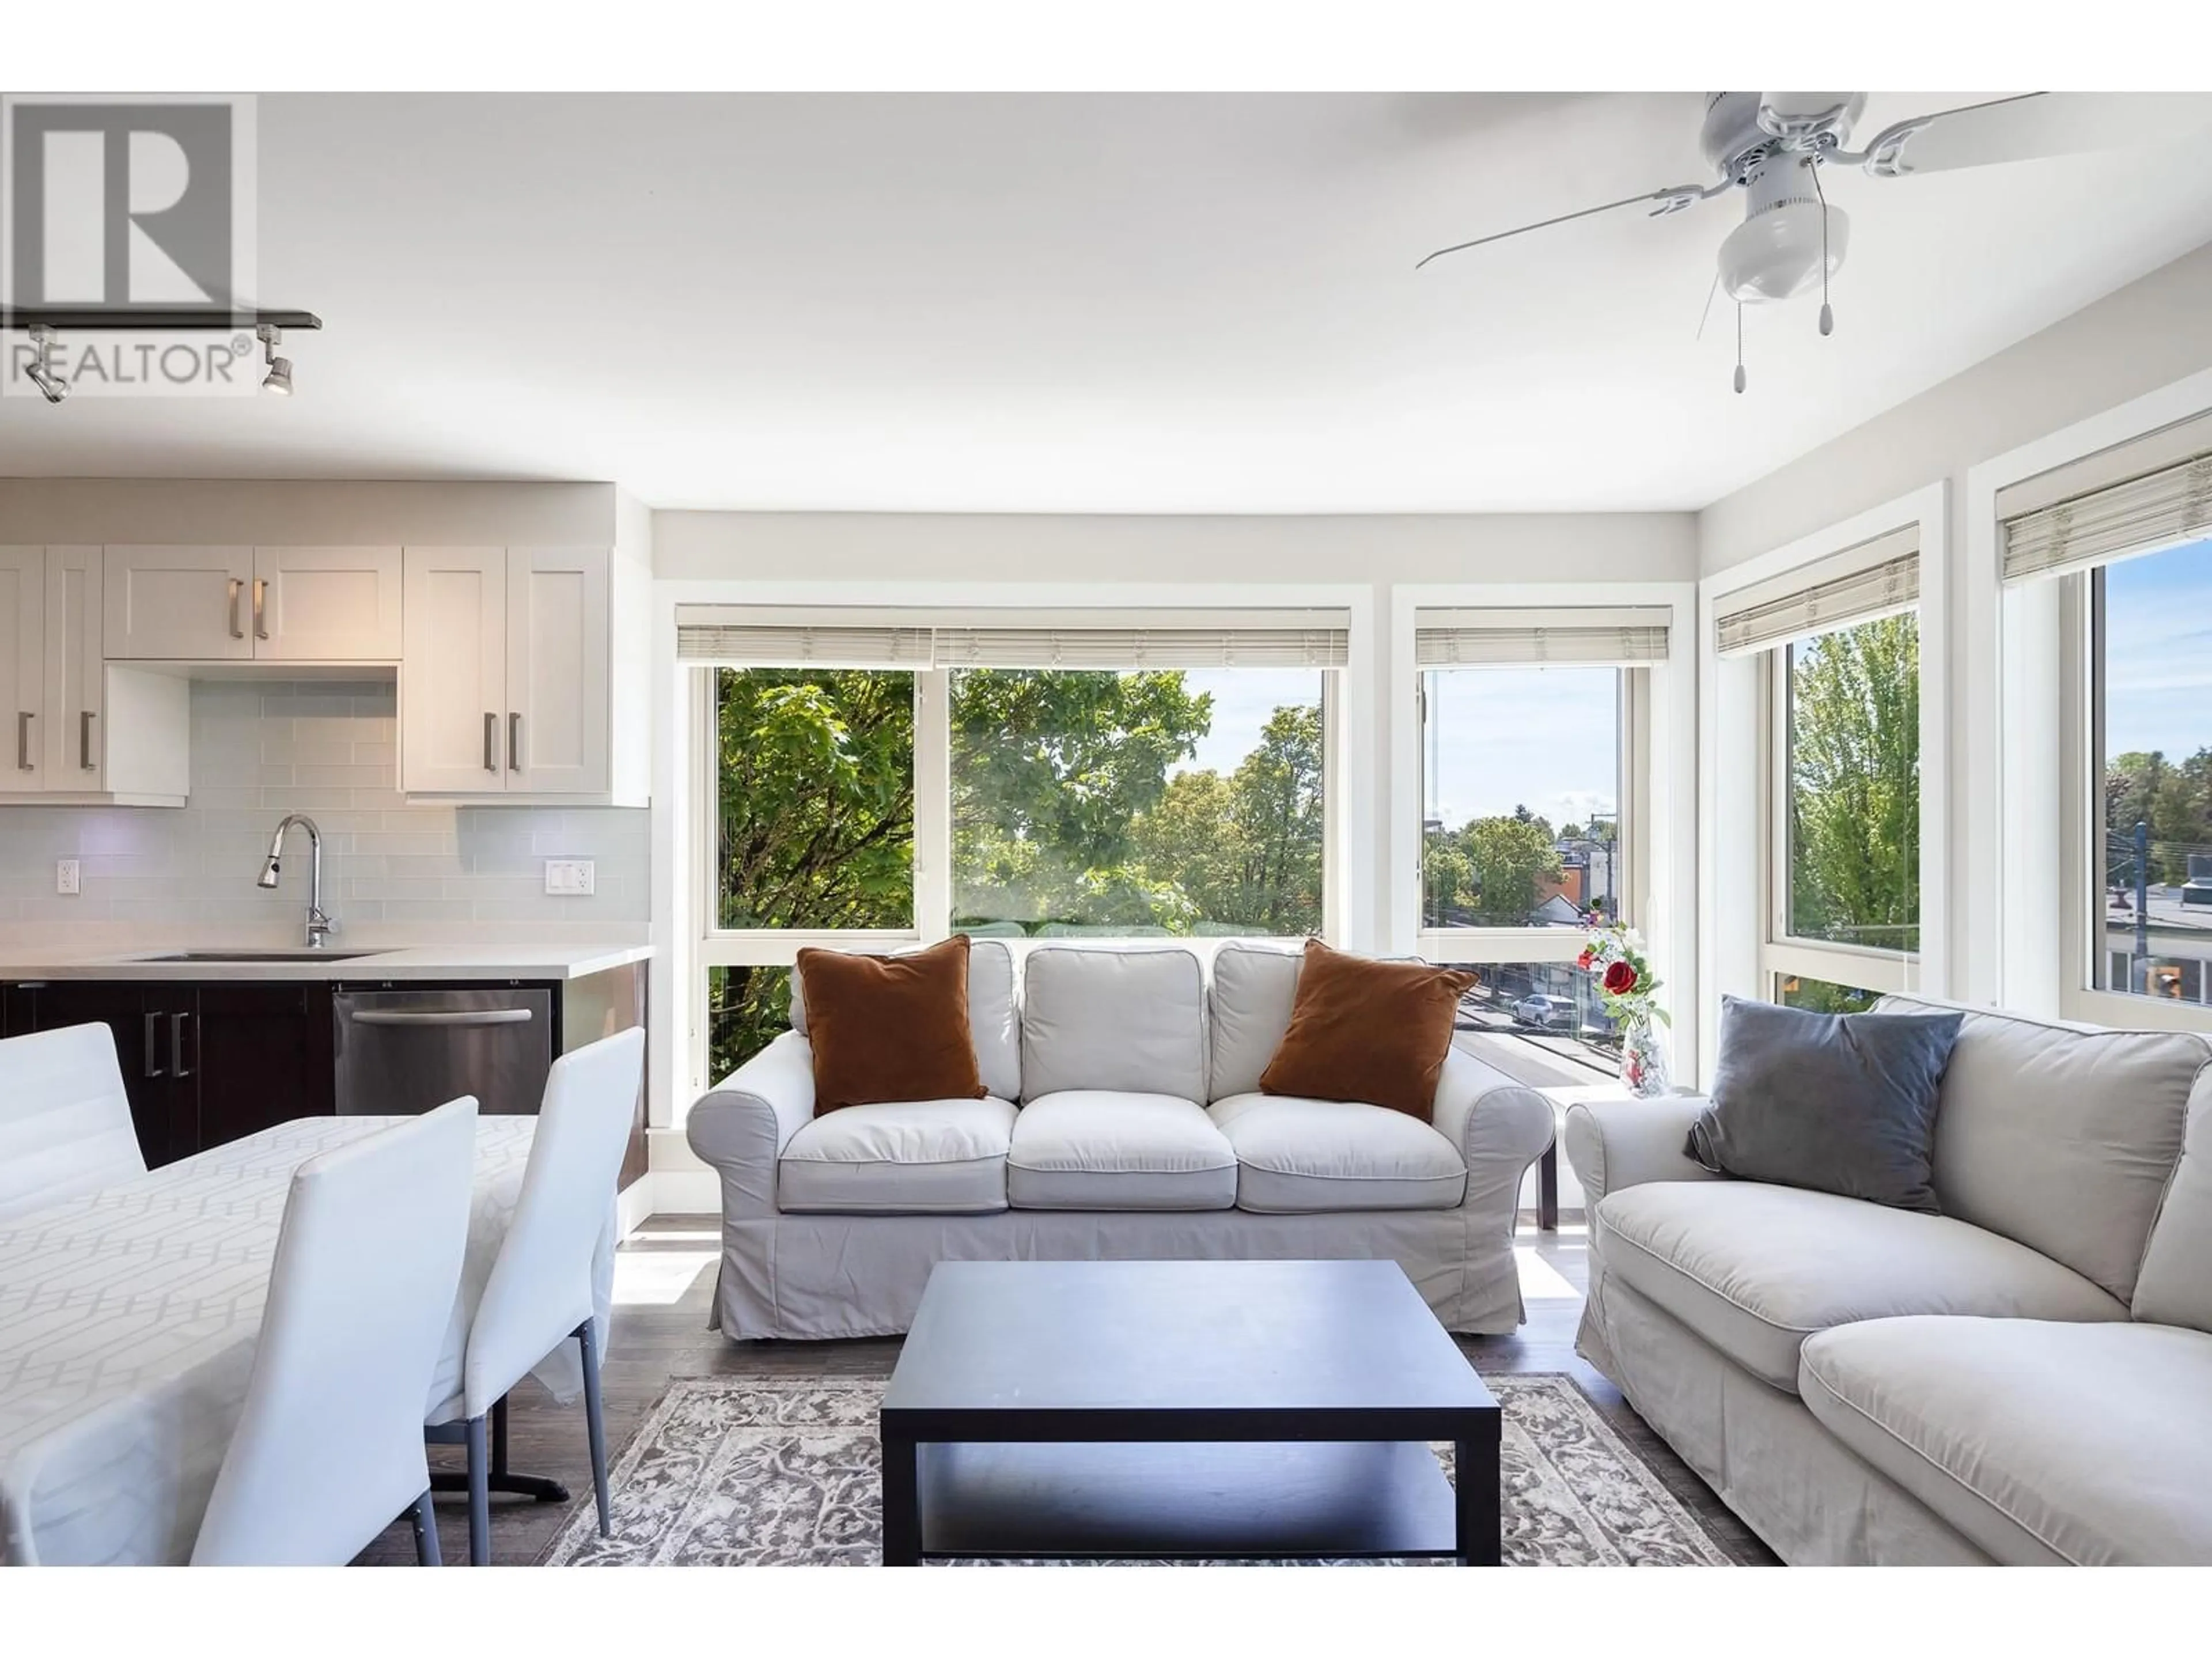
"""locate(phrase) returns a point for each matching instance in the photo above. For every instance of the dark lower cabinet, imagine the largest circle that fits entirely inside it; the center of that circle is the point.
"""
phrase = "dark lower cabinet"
(203, 1064)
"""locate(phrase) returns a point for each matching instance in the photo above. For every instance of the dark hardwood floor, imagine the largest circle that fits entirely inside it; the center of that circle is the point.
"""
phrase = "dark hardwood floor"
(664, 1284)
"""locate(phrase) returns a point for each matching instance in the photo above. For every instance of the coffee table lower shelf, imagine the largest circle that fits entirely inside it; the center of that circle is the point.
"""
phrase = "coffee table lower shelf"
(1178, 1500)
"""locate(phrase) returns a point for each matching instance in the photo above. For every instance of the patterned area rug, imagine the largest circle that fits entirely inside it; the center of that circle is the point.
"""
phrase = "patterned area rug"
(732, 1471)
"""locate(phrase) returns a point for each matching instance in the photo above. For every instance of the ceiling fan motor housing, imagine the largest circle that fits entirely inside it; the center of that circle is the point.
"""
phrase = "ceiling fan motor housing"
(1743, 130)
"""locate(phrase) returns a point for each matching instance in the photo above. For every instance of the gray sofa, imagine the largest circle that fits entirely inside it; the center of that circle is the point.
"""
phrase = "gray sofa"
(1124, 1120)
(2025, 1378)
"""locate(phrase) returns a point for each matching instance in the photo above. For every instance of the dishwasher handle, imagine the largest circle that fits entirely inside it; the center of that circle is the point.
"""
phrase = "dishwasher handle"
(460, 1017)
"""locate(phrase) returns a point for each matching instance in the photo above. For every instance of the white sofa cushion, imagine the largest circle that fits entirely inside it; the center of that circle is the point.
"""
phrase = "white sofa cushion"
(922, 1157)
(1249, 1005)
(1133, 1021)
(2043, 1442)
(1100, 1149)
(1299, 1156)
(1755, 1269)
(2175, 1285)
(992, 1021)
(2061, 1136)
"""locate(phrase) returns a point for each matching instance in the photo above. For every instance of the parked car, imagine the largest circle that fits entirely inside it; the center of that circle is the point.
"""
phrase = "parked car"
(1546, 1013)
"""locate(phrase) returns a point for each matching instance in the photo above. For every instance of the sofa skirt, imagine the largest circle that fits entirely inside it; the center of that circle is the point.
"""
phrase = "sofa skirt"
(823, 1276)
(1801, 1490)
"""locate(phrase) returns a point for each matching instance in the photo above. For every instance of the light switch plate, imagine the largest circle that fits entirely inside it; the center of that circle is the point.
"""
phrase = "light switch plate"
(571, 878)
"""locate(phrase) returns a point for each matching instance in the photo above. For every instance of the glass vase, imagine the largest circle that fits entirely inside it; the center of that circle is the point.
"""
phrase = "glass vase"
(1642, 1062)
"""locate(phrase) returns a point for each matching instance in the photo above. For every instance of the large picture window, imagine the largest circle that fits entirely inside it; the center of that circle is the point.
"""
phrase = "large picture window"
(2151, 772)
(887, 782)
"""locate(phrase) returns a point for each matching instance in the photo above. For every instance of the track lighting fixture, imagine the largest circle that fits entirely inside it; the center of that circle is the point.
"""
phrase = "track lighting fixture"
(42, 345)
(279, 378)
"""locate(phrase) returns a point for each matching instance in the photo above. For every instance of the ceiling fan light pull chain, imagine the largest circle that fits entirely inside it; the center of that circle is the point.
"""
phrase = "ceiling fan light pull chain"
(1827, 311)
(1739, 346)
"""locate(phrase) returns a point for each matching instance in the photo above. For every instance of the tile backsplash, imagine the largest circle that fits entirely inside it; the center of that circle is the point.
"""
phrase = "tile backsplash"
(391, 871)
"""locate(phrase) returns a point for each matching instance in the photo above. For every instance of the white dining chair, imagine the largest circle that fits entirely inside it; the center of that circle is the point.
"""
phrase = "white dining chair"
(329, 1449)
(539, 1294)
(65, 1125)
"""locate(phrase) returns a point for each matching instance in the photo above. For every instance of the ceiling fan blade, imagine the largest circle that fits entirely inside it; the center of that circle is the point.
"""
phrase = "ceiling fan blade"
(1673, 199)
(2033, 126)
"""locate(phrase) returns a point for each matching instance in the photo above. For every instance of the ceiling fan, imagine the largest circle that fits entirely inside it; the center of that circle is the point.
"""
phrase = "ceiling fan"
(1772, 145)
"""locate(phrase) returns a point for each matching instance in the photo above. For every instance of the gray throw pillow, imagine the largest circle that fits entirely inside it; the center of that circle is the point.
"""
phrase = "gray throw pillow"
(1839, 1102)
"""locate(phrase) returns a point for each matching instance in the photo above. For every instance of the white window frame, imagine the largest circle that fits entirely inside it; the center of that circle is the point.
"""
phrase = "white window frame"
(1658, 799)
(1783, 954)
(2021, 783)
(770, 947)
(1743, 951)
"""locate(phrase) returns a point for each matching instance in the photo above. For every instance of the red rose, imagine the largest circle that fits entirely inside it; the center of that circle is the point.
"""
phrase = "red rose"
(1584, 960)
(1619, 979)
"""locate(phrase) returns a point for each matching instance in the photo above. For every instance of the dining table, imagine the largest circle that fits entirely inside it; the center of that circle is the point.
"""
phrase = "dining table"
(128, 1321)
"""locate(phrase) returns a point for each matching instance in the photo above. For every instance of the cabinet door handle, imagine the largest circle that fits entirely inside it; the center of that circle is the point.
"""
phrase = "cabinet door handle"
(177, 1045)
(491, 742)
(260, 609)
(84, 742)
(515, 743)
(237, 588)
(152, 1040)
(23, 719)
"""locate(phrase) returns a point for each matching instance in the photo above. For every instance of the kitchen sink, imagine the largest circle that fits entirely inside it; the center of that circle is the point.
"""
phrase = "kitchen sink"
(260, 956)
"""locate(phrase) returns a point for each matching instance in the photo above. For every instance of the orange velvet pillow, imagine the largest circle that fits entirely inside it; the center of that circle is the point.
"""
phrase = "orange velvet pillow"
(889, 1028)
(1362, 1030)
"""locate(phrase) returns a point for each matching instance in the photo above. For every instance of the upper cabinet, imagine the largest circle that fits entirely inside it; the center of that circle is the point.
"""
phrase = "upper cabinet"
(252, 604)
(326, 604)
(84, 729)
(507, 687)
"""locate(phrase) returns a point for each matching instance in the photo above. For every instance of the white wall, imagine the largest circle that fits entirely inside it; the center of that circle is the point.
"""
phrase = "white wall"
(391, 871)
(233, 512)
(2126, 352)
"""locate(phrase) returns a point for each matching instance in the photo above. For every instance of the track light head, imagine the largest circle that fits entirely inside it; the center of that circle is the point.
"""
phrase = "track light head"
(42, 346)
(279, 377)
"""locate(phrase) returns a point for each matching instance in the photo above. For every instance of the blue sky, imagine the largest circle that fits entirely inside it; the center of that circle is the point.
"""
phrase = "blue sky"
(1543, 738)
(2157, 651)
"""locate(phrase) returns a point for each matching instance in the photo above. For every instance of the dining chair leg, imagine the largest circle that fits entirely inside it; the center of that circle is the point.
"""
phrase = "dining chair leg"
(595, 1423)
(479, 1496)
(426, 1534)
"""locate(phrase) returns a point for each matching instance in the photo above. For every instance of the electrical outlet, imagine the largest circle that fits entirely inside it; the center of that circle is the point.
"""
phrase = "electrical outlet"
(571, 878)
(66, 879)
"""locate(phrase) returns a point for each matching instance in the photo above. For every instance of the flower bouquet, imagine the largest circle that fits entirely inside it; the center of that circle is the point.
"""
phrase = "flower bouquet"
(1629, 992)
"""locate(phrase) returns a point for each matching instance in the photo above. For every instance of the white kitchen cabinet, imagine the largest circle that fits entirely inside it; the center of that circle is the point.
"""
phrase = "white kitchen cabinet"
(558, 691)
(86, 731)
(453, 671)
(177, 603)
(507, 683)
(326, 604)
(23, 686)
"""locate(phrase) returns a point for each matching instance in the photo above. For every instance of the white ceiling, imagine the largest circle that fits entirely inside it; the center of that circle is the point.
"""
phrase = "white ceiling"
(1091, 303)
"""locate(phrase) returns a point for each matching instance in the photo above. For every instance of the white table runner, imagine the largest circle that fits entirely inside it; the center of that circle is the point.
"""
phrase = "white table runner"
(128, 1319)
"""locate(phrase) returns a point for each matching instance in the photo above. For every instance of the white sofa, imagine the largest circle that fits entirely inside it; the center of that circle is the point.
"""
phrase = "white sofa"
(2025, 1378)
(1123, 1120)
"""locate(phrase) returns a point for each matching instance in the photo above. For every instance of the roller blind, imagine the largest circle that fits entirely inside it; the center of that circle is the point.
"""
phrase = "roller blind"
(1113, 640)
(2135, 498)
(1622, 638)
(1875, 578)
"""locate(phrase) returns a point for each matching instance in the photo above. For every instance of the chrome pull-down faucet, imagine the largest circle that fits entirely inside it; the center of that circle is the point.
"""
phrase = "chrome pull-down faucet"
(319, 925)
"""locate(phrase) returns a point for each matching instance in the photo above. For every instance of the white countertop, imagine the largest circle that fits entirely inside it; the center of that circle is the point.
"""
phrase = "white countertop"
(422, 961)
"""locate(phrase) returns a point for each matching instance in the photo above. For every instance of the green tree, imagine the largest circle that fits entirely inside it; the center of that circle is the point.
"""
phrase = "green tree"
(1854, 785)
(1051, 770)
(1275, 817)
(1507, 857)
(815, 773)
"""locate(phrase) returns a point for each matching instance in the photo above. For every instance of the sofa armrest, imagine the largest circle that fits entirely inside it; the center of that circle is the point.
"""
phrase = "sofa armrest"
(1613, 1144)
(741, 1126)
(1500, 1127)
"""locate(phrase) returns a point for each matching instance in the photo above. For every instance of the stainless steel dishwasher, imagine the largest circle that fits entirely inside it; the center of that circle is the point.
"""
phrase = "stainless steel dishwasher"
(403, 1052)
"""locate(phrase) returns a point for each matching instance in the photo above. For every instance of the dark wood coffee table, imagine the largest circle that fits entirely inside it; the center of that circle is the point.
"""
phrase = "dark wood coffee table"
(1179, 1409)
